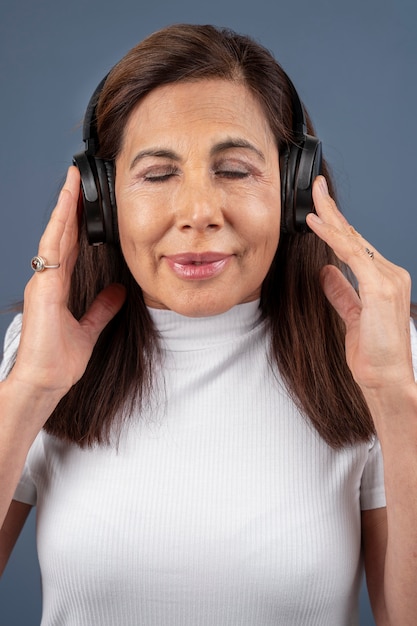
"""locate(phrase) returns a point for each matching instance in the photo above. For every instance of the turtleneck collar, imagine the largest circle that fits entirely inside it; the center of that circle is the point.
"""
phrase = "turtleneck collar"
(180, 333)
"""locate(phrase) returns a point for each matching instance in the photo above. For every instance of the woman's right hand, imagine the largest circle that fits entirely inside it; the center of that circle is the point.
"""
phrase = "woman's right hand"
(54, 347)
(53, 352)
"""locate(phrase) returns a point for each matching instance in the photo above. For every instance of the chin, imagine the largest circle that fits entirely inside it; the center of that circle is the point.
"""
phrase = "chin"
(203, 310)
(203, 305)
(201, 301)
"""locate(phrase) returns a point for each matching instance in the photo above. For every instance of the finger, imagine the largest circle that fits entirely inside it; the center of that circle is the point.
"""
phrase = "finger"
(331, 226)
(60, 235)
(104, 308)
(379, 280)
(329, 213)
(340, 293)
(326, 207)
(348, 247)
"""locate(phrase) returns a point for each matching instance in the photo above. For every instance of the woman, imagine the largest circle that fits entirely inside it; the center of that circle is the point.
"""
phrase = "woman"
(197, 406)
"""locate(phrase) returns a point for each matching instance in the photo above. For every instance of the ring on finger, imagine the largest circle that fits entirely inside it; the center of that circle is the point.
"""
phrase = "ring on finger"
(39, 264)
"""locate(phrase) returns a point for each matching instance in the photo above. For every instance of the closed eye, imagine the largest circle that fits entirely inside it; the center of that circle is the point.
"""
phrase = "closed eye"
(233, 174)
(160, 175)
(157, 179)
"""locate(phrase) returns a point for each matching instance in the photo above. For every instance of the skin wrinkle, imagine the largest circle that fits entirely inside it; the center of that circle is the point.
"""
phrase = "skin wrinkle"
(197, 206)
(206, 180)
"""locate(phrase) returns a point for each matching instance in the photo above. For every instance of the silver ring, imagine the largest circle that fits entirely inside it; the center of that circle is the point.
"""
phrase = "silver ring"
(38, 264)
(369, 253)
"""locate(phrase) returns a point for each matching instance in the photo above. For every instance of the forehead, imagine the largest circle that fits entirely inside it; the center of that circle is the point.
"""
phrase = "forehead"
(197, 107)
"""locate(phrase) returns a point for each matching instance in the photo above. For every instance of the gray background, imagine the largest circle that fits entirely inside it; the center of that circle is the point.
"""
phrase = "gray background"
(353, 62)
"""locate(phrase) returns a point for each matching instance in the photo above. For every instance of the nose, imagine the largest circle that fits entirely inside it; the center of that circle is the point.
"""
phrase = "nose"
(199, 205)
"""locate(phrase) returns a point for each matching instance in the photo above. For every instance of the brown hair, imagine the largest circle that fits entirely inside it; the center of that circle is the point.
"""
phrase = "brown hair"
(307, 336)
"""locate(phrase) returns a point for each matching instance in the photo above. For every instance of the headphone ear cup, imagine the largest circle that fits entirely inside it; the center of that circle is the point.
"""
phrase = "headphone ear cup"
(309, 167)
(300, 166)
(111, 174)
(98, 198)
(288, 167)
(90, 197)
(105, 174)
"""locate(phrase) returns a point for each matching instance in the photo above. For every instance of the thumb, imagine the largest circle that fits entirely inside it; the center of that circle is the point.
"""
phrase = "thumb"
(104, 308)
(340, 293)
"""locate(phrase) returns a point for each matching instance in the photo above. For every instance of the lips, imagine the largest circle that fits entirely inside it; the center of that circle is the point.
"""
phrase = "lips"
(199, 265)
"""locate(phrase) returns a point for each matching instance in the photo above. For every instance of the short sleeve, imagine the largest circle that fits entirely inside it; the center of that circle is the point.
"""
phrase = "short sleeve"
(372, 494)
(25, 491)
(11, 342)
(26, 488)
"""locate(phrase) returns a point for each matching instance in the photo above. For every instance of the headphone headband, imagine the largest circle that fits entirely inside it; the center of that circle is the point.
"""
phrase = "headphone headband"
(90, 136)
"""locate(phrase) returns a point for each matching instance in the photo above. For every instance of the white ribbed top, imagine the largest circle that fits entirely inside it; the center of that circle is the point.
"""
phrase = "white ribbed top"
(221, 506)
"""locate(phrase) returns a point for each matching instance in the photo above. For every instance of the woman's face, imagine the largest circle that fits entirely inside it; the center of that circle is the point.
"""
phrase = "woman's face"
(198, 196)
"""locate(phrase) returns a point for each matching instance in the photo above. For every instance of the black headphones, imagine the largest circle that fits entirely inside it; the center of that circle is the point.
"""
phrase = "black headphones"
(300, 164)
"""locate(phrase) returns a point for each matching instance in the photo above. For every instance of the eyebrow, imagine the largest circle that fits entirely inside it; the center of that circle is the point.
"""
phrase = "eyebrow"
(237, 142)
(154, 152)
(227, 144)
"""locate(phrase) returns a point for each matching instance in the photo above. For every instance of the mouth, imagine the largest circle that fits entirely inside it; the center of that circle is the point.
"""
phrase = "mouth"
(198, 266)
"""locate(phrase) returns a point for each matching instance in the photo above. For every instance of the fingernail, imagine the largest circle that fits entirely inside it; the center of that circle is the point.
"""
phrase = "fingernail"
(323, 186)
(315, 218)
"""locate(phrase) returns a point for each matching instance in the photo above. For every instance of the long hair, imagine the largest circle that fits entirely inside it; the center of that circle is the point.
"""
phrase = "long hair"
(306, 334)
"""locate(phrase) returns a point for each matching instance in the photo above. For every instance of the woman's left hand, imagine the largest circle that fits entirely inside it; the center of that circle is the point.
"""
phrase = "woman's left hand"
(377, 316)
(378, 352)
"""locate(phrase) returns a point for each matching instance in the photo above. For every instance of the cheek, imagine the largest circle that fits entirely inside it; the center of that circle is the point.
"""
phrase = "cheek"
(138, 228)
(260, 208)
(267, 248)
(140, 233)
(136, 248)
(143, 218)
(265, 244)
(263, 227)
(271, 222)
